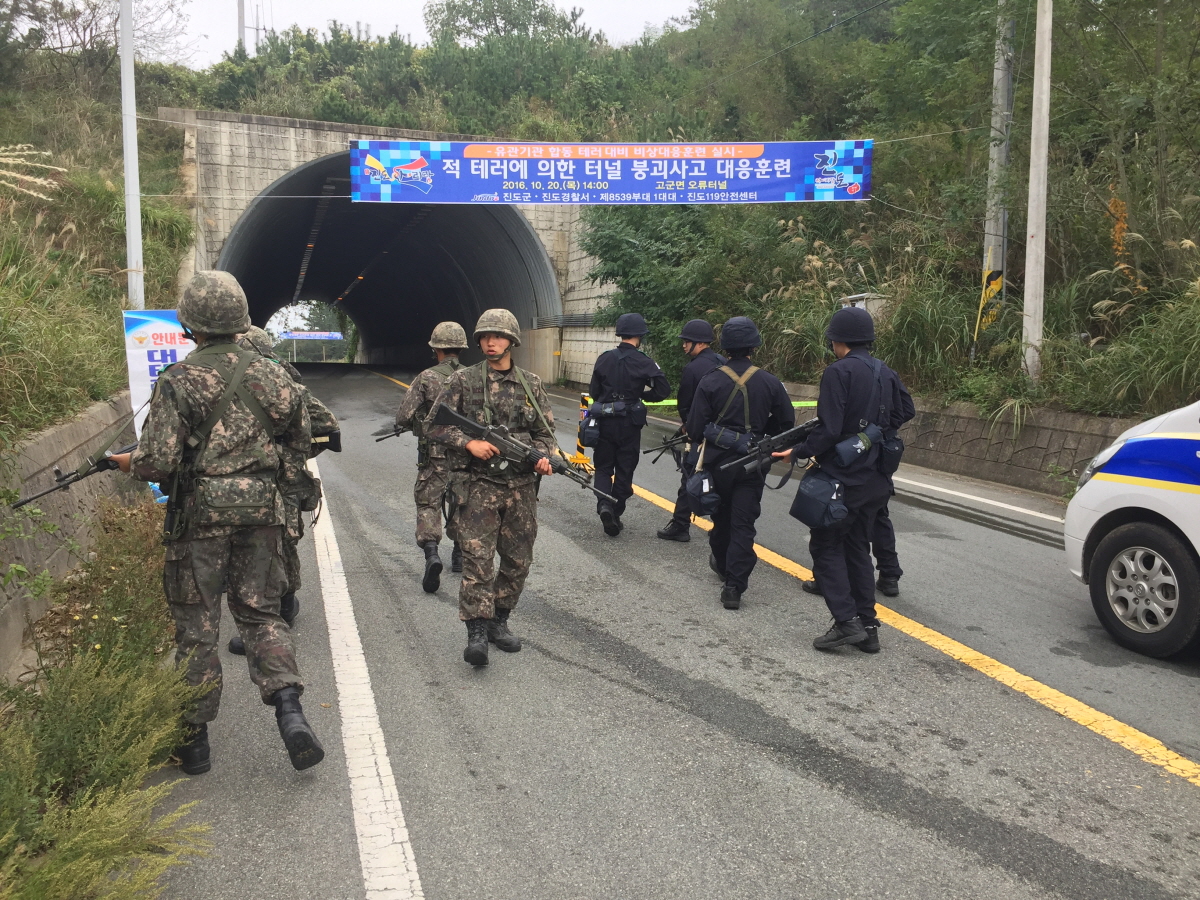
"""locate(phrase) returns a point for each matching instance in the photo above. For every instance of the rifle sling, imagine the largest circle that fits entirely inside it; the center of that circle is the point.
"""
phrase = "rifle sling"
(106, 441)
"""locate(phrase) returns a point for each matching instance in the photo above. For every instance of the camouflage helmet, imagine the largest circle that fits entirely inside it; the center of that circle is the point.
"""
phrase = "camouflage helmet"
(258, 340)
(499, 321)
(448, 336)
(214, 303)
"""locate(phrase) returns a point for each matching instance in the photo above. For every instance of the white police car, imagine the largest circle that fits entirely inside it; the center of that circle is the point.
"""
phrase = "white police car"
(1133, 534)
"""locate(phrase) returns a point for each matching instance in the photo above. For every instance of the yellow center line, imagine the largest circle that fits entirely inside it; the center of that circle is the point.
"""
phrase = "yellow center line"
(389, 378)
(1148, 748)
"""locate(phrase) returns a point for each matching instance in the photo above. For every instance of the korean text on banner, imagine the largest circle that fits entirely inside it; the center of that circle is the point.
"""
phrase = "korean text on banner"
(153, 340)
(609, 174)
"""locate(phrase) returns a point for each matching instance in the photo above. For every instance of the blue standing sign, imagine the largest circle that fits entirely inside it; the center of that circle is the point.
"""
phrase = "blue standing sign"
(609, 174)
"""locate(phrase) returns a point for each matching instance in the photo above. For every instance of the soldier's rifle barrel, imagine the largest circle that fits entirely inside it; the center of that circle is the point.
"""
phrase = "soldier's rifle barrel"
(395, 433)
(668, 444)
(511, 448)
(760, 456)
(63, 482)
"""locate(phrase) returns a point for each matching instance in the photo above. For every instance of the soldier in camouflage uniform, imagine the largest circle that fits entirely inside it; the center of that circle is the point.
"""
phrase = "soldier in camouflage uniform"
(224, 432)
(436, 463)
(500, 508)
(304, 496)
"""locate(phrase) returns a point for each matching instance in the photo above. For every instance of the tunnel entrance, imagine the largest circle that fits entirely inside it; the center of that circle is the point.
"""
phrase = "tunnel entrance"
(397, 269)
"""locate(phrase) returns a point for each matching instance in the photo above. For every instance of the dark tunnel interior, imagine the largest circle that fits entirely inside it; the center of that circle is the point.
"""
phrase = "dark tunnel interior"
(396, 268)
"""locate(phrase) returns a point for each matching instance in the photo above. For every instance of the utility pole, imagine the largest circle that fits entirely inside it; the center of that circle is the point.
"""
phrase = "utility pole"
(241, 41)
(134, 280)
(1039, 152)
(995, 237)
(995, 228)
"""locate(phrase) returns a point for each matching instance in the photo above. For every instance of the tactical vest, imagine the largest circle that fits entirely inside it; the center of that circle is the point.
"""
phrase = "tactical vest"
(478, 403)
(443, 370)
(239, 500)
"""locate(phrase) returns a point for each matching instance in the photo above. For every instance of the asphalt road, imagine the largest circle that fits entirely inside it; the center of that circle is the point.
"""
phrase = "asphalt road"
(647, 743)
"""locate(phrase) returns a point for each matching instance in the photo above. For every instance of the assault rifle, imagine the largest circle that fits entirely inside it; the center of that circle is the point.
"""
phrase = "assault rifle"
(396, 432)
(100, 462)
(759, 457)
(672, 444)
(512, 450)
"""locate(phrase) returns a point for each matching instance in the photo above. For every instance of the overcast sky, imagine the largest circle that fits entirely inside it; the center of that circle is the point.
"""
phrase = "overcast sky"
(212, 24)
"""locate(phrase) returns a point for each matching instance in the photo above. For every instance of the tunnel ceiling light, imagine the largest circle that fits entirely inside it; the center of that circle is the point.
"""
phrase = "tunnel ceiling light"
(412, 223)
(318, 217)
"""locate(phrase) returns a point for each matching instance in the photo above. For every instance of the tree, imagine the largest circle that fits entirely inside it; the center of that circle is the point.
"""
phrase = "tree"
(472, 21)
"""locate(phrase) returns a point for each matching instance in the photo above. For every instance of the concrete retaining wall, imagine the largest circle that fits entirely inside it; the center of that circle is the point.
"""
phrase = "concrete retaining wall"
(1045, 454)
(65, 445)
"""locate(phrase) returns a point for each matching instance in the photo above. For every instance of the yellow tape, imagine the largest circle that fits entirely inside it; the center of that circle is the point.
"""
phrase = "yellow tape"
(1150, 749)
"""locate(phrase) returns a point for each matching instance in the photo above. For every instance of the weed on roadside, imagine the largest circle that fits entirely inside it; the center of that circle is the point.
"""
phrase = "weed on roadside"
(84, 730)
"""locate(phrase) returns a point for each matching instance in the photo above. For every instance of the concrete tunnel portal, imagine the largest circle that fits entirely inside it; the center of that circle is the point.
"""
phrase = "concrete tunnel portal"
(397, 269)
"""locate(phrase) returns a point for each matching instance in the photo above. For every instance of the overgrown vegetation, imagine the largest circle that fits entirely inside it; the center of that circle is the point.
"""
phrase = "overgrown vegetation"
(62, 253)
(81, 736)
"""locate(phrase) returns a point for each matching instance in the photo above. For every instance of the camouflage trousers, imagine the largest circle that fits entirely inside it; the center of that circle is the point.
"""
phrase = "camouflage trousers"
(249, 564)
(497, 518)
(433, 480)
(292, 533)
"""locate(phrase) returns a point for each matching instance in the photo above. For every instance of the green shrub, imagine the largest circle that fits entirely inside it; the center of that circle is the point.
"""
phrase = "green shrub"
(81, 738)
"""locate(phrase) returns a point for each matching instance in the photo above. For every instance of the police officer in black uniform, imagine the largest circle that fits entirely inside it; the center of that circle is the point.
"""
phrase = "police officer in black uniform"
(842, 554)
(623, 380)
(719, 403)
(698, 338)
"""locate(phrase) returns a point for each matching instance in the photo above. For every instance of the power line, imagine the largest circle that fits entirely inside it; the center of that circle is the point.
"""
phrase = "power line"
(815, 34)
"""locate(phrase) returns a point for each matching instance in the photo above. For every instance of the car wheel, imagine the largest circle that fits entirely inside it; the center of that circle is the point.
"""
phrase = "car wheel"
(1146, 589)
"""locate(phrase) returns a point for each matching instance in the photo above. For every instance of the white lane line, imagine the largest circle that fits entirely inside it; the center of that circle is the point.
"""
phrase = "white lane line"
(389, 867)
(942, 490)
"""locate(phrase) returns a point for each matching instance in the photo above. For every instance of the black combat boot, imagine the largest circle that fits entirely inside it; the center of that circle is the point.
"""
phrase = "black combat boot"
(610, 520)
(237, 646)
(673, 531)
(851, 632)
(871, 644)
(456, 559)
(498, 633)
(810, 587)
(302, 744)
(289, 608)
(433, 569)
(889, 587)
(193, 752)
(731, 597)
(477, 642)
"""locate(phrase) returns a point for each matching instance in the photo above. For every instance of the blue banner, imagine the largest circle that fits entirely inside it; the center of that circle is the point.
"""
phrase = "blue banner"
(609, 174)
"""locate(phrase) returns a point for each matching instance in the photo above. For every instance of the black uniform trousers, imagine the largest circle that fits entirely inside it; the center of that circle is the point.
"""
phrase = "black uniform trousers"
(683, 511)
(732, 537)
(883, 545)
(841, 555)
(615, 458)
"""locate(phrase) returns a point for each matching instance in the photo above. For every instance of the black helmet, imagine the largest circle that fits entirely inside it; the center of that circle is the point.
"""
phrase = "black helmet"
(851, 325)
(698, 332)
(740, 333)
(632, 325)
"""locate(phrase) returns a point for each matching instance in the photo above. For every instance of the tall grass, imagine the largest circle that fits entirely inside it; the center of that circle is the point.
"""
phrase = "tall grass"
(81, 736)
(61, 295)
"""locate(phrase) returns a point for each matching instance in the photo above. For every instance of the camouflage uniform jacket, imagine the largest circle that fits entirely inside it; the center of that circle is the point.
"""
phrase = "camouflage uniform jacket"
(238, 444)
(416, 407)
(505, 403)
